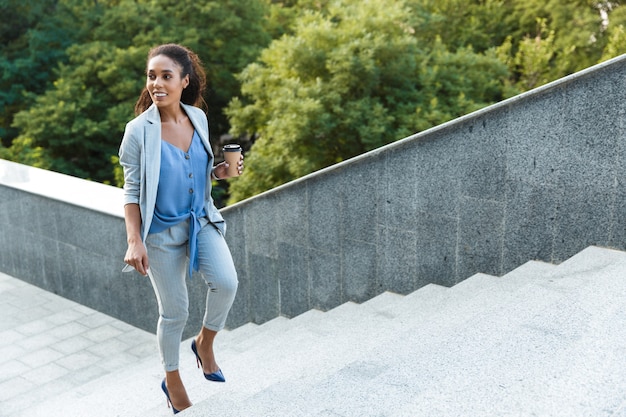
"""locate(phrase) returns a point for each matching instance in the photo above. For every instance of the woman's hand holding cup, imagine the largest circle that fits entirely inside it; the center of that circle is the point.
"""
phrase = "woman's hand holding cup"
(233, 162)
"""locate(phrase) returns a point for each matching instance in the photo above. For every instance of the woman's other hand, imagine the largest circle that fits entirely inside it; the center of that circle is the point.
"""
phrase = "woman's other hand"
(137, 257)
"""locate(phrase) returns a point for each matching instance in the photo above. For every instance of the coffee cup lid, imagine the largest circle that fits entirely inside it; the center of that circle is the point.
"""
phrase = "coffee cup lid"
(232, 147)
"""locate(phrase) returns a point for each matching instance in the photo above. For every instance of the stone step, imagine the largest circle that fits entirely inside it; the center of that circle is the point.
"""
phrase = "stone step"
(559, 329)
(338, 332)
(333, 336)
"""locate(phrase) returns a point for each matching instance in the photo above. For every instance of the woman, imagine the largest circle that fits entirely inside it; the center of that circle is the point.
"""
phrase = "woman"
(172, 225)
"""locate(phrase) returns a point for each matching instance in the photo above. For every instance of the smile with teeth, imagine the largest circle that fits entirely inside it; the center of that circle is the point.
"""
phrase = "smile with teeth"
(159, 94)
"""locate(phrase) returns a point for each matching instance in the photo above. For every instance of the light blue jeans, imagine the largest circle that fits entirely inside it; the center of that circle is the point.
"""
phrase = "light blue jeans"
(168, 257)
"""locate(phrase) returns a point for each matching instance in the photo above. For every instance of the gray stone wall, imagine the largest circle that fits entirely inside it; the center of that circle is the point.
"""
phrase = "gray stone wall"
(536, 177)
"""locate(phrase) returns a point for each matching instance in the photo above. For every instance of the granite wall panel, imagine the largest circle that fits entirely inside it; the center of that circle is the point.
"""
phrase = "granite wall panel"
(264, 300)
(359, 271)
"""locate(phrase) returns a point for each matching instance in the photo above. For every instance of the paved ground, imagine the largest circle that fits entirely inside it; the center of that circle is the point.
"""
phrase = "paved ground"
(50, 345)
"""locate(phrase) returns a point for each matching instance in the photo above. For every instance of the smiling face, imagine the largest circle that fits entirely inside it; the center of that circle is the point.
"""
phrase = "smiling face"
(164, 81)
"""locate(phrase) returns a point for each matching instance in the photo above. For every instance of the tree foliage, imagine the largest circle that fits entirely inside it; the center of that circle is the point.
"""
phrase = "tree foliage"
(34, 38)
(348, 80)
(77, 122)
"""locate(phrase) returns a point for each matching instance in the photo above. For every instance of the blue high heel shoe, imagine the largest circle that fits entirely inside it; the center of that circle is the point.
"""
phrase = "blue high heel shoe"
(167, 394)
(215, 376)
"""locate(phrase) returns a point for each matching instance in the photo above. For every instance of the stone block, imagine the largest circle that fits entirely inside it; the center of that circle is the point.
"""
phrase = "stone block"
(326, 278)
(323, 217)
(397, 260)
(260, 227)
(294, 277)
(359, 269)
(436, 244)
(481, 228)
(480, 162)
(530, 227)
(265, 299)
(361, 199)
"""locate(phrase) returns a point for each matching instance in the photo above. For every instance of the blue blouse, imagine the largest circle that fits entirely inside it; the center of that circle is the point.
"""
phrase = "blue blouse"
(180, 194)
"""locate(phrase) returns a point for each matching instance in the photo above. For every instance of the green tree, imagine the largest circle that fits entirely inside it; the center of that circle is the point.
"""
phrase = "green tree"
(532, 60)
(456, 83)
(552, 39)
(34, 38)
(541, 40)
(79, 121)
(479, 24)
(282, 15)
(349, 80)
(615, 22)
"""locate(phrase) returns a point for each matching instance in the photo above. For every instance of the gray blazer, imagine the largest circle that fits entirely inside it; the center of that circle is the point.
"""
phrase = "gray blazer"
(140, 156)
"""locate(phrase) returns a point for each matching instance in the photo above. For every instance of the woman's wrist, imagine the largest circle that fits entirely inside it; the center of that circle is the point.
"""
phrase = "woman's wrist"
(214, 175)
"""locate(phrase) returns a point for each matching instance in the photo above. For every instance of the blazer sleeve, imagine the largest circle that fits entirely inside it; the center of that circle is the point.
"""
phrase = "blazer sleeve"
(130, 158)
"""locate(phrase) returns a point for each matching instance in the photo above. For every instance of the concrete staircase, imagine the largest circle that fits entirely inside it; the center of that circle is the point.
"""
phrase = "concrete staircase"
(543, 340)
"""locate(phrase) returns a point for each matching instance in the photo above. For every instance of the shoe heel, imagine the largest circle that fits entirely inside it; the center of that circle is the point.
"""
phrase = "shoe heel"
(167, 396)
(195, 352)
(215, 376)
